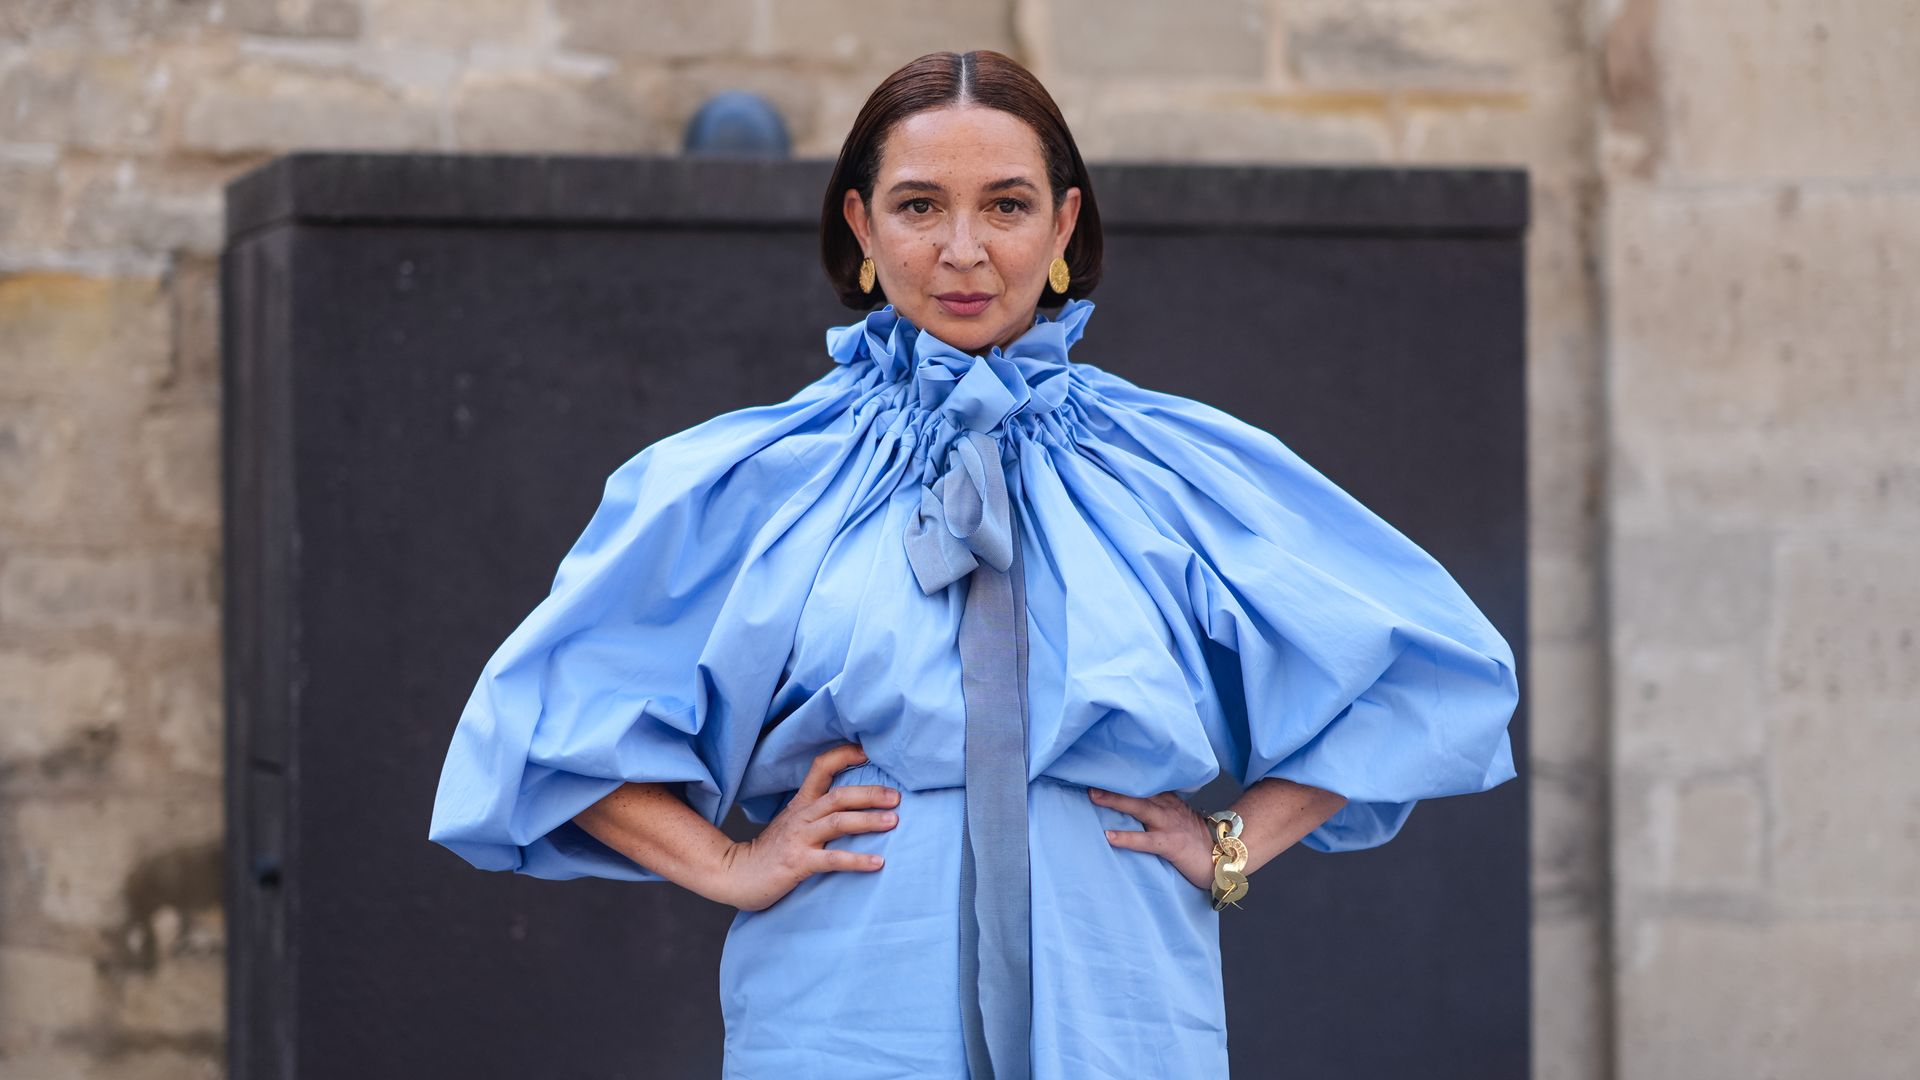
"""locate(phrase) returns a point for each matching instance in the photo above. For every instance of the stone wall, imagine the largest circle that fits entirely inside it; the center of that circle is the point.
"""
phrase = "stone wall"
(1723, 399)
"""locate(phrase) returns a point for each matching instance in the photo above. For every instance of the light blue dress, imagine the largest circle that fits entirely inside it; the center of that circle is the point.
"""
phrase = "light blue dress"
(786, 577)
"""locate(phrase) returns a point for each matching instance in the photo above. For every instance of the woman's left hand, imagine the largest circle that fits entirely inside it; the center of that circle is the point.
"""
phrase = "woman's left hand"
(1174, 831)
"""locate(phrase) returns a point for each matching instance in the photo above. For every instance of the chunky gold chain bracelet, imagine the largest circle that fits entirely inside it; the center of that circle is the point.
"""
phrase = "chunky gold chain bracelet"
(1229, 858)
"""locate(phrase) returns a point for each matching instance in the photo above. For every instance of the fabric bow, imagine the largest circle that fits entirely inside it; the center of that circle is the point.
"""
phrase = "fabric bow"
(963, 517)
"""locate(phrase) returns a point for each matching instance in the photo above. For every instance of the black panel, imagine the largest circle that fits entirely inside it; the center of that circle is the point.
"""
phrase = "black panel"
(432, 364)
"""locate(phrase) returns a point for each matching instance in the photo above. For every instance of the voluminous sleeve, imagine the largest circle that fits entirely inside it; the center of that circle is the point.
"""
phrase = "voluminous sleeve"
(654, 656)
(1357, 663)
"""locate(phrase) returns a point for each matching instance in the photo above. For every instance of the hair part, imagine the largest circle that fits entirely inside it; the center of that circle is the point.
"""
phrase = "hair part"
(946, 80)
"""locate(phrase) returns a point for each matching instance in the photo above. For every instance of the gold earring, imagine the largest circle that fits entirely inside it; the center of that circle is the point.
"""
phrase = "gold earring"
(1057, 275)
(866, 274)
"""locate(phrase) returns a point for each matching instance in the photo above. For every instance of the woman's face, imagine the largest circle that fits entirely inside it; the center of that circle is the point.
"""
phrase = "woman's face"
(962, 227)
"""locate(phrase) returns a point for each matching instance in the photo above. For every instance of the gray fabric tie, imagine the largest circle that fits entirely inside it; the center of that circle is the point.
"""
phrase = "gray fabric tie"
(964, 527)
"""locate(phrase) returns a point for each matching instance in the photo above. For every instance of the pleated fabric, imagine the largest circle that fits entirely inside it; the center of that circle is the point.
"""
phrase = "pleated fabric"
(778, 579)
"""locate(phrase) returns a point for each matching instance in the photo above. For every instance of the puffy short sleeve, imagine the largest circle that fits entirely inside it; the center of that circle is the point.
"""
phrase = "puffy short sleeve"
(1354, 661)
(653, 658)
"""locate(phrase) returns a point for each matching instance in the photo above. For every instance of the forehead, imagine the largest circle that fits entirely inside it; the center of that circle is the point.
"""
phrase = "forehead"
(971, 142)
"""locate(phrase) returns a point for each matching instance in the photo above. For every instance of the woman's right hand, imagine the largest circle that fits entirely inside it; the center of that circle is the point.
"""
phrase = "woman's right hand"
(793, 847)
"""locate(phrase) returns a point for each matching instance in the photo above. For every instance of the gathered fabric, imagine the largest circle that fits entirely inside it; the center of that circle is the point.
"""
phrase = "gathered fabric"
(1009, 576)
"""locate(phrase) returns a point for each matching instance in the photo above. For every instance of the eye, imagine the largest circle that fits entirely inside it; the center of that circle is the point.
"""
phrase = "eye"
(1017, 205)
(913, 202)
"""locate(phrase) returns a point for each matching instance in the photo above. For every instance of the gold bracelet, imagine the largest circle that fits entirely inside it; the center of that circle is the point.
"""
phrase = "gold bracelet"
(1229, 859)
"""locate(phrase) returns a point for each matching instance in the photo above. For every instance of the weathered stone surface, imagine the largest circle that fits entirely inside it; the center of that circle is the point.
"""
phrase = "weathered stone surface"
(1767, 999)
(492, 25)
(294, 18)
(881, 37)
(261, 105)
(1475, 44)
(47, 992)
(84, 97)
(503, 110)
(657, 31)
(132, 591)
(1225, 41)
(102, 885)
(1678, 711)
(1829, 90)
(67, 334)
(1570, 984)
(1690, 590)
(1766, 306)
(57, 705)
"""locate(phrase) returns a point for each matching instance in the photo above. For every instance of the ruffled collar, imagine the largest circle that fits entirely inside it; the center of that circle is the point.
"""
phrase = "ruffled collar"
(977, 391)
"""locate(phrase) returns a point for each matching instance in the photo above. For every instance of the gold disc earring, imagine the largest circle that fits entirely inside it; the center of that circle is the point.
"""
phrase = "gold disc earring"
(866, 274)
(1057, 275)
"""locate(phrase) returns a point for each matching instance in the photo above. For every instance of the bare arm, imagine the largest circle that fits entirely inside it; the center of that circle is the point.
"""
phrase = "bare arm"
(1276, 813)
(650, 824)
(655, 827)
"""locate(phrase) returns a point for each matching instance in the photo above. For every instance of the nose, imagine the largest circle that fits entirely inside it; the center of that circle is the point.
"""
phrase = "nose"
(963, 249)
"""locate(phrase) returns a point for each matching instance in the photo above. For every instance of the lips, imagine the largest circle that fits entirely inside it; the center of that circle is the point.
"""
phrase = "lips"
(964, 303)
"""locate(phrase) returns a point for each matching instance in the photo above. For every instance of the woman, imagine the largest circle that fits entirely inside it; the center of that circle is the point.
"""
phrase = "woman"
(960, 622)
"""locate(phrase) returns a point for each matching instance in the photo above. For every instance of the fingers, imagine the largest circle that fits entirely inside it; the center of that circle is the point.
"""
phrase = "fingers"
(825, 765)
(1126, 804)
(842, 859)
(842, 822)
(852, 796)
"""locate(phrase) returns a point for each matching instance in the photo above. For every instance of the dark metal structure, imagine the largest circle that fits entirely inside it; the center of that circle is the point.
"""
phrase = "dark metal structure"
(433, 362)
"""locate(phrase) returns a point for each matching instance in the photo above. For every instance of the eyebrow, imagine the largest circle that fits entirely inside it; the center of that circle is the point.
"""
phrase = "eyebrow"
(928, 185)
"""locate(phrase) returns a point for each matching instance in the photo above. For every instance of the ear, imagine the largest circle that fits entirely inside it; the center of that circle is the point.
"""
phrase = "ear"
(854, 209)
(1064, 220)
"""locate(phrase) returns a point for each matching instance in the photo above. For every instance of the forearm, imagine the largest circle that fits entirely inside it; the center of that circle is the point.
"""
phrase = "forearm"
(654, 826)
(1276, 813)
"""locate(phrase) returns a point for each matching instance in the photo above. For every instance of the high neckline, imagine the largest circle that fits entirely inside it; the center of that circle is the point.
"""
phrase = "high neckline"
(897, 346)
(977, 391)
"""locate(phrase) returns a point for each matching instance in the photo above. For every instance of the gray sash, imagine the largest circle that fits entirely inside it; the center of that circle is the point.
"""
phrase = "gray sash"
(964, 527)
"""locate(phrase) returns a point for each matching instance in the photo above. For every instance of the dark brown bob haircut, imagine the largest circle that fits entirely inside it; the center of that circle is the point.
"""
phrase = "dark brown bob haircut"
(981, 77)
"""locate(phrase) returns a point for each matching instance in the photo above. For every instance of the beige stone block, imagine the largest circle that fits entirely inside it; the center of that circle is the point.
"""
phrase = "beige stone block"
(1544, 123)
(91, 97)
(535, 111)
(1772, 91)
(186, 718)
(58, 703)
(184, 995)
(43, 992)
(675, 29)
(1770, 1000)
(1703, 835)
(87, 885)
(1273, 131)
(1862, 475)
(1847, 824)
(489, 23)
(193, 289)
(796, 95)
(1424, 43)
(1849, 631)
(1212, 41)
(41, 1062)
(180, 464)
(36, 439)
(1567, 702)
(157, 206)
(1565, 432)
(1562, 596)
(1788, 310)
(881, 37)
(293, 18)
(1690, 590)
(68, 334)
(162, 1062)
(73, 462)
(72, 21)
(1568, 837)
(131, 591)
(268, 104)
(1570, 985)
(30, 215)
(1681, 711)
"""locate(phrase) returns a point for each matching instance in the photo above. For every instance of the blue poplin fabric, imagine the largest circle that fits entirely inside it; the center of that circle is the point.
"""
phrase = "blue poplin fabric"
(783, 578)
